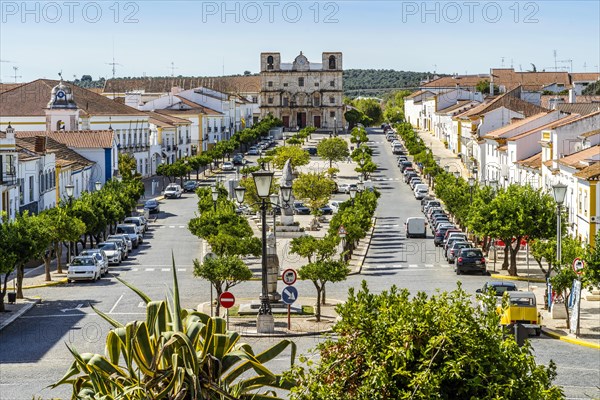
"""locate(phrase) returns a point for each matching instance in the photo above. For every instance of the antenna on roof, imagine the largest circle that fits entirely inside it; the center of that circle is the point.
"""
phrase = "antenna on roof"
(555, 67)
(502, 60)
(173, 68)
(584, 66)
(113, 64)
(15, 68)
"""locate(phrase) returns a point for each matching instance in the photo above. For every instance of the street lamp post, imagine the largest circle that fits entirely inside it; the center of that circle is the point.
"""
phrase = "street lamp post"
(275, 204)
(471, 184)
(334, 126)
(262, 181)
(457, 175)
(559, 191)
(98, 186)
(70, 190)
(215, 196)
(352, 192)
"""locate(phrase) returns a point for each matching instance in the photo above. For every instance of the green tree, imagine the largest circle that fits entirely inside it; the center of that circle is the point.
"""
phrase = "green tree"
(223, 273)
(358, 135)
(8, 258)
(296, 155)
(396, 346)
(591, 273)
(371, 108)
(353, 117)
(321, 272)
(127, 163)
(175, 353)
(333, 149)
(314, 249)
(314, 188)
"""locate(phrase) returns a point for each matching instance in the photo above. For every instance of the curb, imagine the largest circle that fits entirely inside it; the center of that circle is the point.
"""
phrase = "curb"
(362, 262)
(556, 335)
(284, 335)
(517, 278)
(21, 311)
(53, 283)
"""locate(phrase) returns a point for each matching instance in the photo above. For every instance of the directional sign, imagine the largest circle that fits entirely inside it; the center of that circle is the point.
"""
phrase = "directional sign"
(289, 276)
(342, 231)
(578, 265)
(289, 294)
(227, 299)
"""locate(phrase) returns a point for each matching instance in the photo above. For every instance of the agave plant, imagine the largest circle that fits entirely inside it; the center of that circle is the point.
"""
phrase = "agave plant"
(174, 354)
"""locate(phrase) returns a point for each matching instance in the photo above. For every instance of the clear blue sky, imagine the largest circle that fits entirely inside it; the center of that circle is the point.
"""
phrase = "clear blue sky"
(207, 38)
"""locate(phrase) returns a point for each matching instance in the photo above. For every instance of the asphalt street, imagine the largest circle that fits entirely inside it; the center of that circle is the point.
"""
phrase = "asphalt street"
(33, 350)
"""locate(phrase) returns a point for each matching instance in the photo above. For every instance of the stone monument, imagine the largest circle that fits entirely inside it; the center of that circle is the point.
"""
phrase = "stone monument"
(287, 178)
(272, 268)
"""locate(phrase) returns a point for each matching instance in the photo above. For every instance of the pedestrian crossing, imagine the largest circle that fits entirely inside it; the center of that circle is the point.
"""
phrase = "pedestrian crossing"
(386, 179)
(149, 269)
(383, 267)
(170, 226)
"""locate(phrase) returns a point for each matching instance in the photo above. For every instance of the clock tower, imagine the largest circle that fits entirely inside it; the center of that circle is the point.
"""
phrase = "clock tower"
(62, 112)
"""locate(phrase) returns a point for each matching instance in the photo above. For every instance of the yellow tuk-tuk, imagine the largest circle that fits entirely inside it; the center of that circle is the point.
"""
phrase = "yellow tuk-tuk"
(522, 309)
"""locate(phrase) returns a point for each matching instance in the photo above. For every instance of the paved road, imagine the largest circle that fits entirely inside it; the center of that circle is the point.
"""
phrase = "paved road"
(33, 350)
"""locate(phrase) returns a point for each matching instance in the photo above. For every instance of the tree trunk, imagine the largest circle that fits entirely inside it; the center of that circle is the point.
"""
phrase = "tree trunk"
(505, 262)
(512, 271)
(47, 259)
(323, 294)
(566, 303)
(58, 250)
(3, 293)
(20, 274)
(318, 310)
(218, 307)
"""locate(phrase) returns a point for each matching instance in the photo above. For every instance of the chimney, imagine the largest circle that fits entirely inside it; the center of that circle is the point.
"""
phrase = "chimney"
(10, 132)
(40, 144)
(572, 96)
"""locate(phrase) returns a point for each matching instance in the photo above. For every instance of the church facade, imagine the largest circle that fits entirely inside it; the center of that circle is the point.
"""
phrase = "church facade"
(303, 93)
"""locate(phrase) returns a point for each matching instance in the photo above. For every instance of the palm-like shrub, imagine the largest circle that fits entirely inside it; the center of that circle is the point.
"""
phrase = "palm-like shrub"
(174, 354)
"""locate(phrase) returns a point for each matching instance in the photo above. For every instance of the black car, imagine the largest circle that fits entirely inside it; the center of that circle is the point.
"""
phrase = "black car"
(190, 186)
(311, 150)
(470, 260)
(438, 239)
(326, 210)
(498, 287)
(300, 208)
(404, 165)
(238, 159)
(152, 206)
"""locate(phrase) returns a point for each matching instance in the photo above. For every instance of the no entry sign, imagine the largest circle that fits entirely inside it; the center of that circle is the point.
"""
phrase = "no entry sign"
(227, 299)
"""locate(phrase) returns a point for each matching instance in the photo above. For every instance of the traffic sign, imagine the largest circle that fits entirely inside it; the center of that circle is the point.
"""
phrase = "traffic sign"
(578, 265)
(289, 276)
(289, 294)
(227, 299)
(342, 231)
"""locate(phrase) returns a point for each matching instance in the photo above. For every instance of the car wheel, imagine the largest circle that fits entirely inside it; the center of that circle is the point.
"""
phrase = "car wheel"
(458, 271)
(538, 331)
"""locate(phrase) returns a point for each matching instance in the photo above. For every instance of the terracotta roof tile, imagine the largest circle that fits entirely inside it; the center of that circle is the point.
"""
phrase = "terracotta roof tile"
(593, 171)
(228, 84)
(205, 110)
(465, 81)
(498, 133)
(581, 159)
(508, 100)
(585, 76)
(31, 99)
(64, 155)
(454, 107)
(418, 93)
(535, 161)
(75, 139)
(579, 108)
(539, 129)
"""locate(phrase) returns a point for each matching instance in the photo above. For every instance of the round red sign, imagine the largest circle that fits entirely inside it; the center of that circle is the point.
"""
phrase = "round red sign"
(227, 299)
(289, 276)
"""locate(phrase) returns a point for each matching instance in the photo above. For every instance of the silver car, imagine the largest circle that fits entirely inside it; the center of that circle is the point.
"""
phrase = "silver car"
(453, 250)
(100, 257)
(121, 244)
(113, 252)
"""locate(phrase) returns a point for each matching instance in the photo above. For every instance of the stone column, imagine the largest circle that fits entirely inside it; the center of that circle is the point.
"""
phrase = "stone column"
(272, 268)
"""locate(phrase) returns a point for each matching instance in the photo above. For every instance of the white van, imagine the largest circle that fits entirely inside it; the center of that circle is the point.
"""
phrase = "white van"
(415, 227)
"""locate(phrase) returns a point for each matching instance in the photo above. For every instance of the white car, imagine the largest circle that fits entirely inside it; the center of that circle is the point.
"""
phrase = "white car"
(137, 221)
(335, 205)
(100, 257)
(84, 268)
(173, 191)
(112, 251)
(227, 166)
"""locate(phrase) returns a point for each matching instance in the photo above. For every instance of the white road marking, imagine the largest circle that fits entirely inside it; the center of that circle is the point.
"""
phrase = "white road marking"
(168, 269)
(180, 269)
(117, 302)
(149, 269)
(142, 304)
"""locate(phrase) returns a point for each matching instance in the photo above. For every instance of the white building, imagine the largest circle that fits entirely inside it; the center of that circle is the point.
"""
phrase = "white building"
(9, 182)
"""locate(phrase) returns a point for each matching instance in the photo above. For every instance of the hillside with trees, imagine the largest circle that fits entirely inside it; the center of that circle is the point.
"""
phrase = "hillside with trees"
(372, 82)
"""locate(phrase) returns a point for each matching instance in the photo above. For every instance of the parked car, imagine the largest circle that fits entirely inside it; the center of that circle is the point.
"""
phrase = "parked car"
(455, 248)
(326, 210)
(100, 257)
(238, 159)
(227, 166)
(414, 181)
(438, 239)
(137, 221)
(173, 191)
(121, 244)
(402, 158)
(131, 231)
(128, 242)
(415, 227)
(421, 190)
(431, 203)
(300, 208)
(468, 260)
(311, 150)
(343, 187)
(426, 199)
(409, 175)
(253, 151)
(84, 268)
(405, 164)
(152, 206)
(112, 252)
(335, 205)
(522, 309)
(398, 149)
(190, 186)
(497, 288)
(454, 236)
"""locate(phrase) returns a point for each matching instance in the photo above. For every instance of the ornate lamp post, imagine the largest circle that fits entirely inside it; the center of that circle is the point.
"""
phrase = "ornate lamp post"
(70, 191)
(559, 191)
(471, 184)
(457, 175)
(262, 180)
(98, 186)
(214, 192)
(353, 191)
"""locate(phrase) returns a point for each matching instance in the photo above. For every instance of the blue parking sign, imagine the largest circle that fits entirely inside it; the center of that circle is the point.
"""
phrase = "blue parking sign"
(289, 295)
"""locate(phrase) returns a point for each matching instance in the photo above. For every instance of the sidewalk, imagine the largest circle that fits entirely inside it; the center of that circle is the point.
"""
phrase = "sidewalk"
(529, 274)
